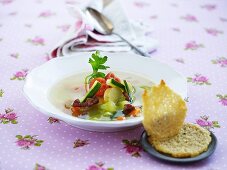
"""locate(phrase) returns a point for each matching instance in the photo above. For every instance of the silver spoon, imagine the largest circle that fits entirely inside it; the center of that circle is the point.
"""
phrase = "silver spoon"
(104, 26)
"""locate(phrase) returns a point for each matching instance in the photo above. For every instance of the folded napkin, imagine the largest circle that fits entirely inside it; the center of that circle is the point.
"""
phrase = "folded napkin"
(82, 37)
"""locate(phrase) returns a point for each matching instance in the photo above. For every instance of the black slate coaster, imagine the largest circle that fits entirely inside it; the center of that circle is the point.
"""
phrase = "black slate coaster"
(151, 151)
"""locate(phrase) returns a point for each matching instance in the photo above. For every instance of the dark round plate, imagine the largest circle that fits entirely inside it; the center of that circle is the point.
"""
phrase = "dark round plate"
(151, 151)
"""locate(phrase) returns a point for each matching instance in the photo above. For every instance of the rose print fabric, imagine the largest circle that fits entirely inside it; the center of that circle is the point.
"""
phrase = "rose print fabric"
(19, 75)
(204, 122)
(199, 79)
(8, 117)
(132, 147)
(27, 141)
(192, 39)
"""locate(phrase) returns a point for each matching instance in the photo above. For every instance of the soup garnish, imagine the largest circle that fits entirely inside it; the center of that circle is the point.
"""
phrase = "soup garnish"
(107, 96)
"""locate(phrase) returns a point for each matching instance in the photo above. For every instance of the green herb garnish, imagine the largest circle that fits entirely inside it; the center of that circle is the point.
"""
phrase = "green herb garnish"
(97, 62)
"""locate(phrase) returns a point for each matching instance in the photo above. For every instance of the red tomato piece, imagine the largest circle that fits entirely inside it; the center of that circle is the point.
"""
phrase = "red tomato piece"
(103, 88)
(112, 75)
(76, 111)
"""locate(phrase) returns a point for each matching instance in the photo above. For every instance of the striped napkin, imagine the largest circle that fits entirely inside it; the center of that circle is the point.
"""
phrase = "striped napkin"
(82, 37)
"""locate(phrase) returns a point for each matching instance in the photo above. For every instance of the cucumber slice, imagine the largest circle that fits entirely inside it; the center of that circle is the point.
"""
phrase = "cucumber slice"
(128, 91)
(114, 83)
(131, 88)
(92, 91)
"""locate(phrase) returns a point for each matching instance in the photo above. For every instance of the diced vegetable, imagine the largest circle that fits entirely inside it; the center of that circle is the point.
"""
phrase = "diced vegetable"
(113, 94)
(114, 83)
(128, 91)
(107, 114)
(95, 112)
(135, 112)
(109, 106)
(122, 104)
(131, 88)
(92, 91)
(75, 111)
(128, 108)
(112, 75)
(103, 87)
(120, 118)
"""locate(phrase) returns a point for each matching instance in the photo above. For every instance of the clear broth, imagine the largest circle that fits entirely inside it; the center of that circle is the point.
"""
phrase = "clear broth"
(71, 88)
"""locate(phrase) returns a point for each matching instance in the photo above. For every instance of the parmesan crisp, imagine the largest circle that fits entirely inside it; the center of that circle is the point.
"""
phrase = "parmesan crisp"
(164, 112)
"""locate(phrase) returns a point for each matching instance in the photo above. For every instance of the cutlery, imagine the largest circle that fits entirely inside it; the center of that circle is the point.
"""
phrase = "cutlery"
(104, 26)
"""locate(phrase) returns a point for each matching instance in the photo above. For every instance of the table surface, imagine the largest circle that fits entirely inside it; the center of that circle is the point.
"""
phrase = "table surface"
(193, 40)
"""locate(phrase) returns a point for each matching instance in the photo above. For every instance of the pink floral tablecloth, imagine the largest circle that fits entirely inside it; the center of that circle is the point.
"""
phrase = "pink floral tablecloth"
(193, 39)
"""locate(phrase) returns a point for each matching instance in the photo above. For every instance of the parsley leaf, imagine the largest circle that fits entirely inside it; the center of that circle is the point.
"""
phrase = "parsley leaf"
(97, 62)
